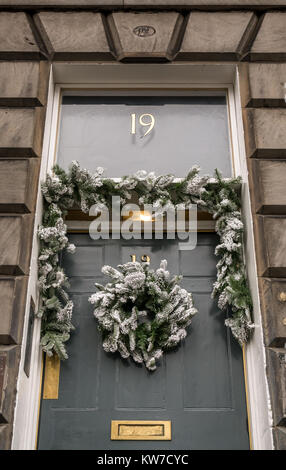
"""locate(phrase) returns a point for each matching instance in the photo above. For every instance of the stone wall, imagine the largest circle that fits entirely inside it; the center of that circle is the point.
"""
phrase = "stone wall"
(33, 33)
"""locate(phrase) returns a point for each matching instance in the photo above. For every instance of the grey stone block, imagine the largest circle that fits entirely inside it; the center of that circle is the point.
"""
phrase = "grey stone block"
(62, 3)
(9, 364)
(276, 372)
(17, 40)
(265, 134)
(23, 83)
(18, 184)
(12, 309)
(262, 85)
(270, 42)
(269, 178)
(21, 131)
(145, 36)
(217, 35)
(279, 435)
(206, 4)
(15, 244)
(74, 35)
(5, 436)
(271, 246)
(272, 295)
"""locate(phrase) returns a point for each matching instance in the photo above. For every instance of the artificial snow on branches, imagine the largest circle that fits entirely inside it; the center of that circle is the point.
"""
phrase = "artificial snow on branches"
(142, 313)
(216, 195)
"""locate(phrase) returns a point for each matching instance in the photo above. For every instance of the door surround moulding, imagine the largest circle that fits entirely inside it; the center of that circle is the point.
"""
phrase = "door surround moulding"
(173, 76)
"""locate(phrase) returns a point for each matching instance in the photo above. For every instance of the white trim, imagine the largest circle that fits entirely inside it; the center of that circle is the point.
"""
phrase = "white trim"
(258, 391)
(54, 128)
(152, 76)
(28, 389)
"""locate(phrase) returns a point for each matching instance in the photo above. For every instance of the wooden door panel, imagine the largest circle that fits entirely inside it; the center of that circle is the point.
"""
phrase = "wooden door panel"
(80, 375)
(199, 386)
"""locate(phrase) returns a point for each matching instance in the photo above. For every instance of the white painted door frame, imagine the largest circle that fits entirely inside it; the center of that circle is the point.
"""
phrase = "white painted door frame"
(174, 76)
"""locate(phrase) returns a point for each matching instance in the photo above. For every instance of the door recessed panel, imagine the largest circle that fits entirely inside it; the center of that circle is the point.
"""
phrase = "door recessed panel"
(85, 262)
(137, 388)
(79, 380)
(207, 382)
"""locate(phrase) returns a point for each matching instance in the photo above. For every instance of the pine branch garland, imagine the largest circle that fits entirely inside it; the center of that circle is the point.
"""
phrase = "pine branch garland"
(217, 195)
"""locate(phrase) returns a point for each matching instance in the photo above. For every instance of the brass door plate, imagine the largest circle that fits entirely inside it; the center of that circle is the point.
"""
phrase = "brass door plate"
(52, 378)
(141, 431)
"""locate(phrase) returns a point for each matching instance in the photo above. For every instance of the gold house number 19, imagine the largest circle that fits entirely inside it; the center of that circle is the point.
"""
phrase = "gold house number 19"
(145, 120)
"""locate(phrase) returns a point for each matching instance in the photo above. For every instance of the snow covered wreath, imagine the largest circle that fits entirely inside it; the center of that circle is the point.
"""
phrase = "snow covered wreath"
(142, 313)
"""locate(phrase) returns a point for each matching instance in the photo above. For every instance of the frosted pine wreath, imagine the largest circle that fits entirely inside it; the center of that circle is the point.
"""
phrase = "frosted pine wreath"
(142, 313)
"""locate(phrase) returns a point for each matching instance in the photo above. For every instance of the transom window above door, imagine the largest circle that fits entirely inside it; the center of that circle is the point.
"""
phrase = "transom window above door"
(164, 133)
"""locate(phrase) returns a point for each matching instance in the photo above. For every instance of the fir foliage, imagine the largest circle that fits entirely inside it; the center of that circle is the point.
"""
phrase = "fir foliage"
(217, 195)
(142, 313)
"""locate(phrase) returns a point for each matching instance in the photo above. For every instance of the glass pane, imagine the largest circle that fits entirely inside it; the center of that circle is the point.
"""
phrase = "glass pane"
(166, 134)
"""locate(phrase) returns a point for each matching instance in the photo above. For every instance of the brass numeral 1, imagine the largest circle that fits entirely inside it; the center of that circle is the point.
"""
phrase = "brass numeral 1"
(133, 123)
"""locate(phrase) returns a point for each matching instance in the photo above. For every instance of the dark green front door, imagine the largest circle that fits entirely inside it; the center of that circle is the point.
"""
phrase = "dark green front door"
(199, 387)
